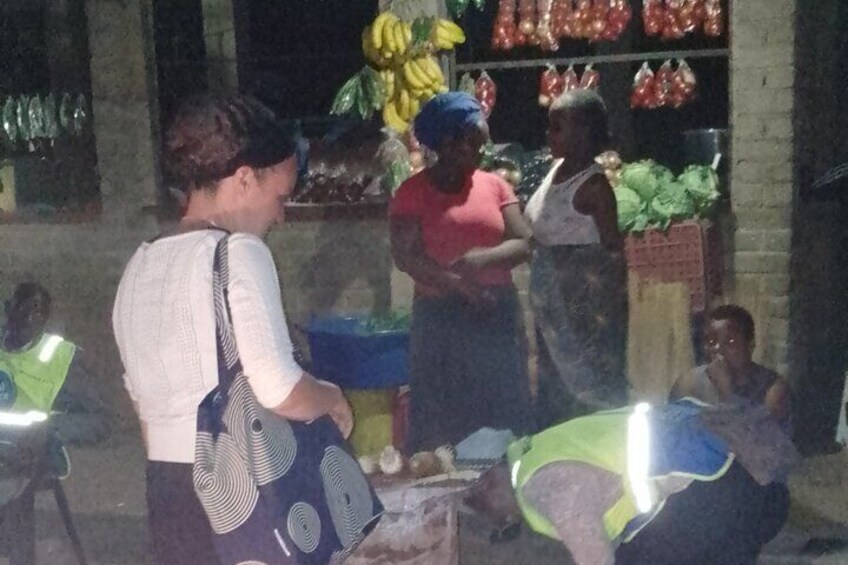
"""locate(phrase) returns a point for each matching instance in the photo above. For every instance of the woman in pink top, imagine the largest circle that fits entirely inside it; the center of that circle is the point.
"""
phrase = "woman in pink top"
(458, 231)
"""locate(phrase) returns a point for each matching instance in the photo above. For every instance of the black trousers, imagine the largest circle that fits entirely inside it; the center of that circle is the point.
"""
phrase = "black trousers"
(723, 522)
(179, 529)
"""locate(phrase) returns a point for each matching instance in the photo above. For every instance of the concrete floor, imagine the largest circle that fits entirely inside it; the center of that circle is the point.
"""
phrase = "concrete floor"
(106, 495)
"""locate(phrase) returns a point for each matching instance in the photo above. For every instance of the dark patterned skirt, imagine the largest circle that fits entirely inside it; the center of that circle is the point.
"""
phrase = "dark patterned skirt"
(579, 300)
(468, 369)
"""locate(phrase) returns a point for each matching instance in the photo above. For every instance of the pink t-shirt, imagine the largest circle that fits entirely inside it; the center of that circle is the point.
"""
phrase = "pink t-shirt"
(452, 224)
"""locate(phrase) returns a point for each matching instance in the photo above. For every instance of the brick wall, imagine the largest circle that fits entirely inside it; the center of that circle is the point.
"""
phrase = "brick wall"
(762, 173)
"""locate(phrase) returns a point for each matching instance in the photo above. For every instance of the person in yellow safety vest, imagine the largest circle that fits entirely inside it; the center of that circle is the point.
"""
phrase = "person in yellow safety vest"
(671, 493)
(42, 372)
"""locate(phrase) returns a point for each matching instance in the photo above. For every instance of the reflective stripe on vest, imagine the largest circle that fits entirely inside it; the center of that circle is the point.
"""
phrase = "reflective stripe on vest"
(38, 373)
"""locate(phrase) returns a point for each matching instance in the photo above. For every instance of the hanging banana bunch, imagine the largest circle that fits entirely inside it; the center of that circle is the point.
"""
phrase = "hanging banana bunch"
(401, 59)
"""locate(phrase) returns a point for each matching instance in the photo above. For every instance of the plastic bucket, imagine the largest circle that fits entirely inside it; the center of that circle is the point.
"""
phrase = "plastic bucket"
(344, 354)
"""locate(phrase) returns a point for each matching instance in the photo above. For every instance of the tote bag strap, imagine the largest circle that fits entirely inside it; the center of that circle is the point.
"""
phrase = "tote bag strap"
(229, 363)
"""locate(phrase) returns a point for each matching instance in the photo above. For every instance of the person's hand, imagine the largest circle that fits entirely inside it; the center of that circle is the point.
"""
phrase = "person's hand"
(472, 292)
(472, 261)
(721, 376)
(342, 415)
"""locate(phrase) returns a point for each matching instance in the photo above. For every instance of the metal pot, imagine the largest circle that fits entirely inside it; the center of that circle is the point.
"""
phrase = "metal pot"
(700, 146)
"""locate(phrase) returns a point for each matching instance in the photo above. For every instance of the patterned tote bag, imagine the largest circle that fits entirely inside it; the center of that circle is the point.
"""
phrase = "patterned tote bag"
(275, 491)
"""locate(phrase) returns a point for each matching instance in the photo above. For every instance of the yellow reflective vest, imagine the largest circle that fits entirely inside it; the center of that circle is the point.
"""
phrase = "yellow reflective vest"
(37, 374)
(599, 440)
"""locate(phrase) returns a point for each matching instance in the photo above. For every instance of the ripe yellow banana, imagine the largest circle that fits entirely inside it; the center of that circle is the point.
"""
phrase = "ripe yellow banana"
(378, 27)
(441, 43)
(414, 106)
(407, 33)
(400, 39)
(434, 71)
(389, 42)
(388, 78)
(403, 105)
(450, 30)
(392, 119)
(426, 70)
(367, 47)
(413, 76)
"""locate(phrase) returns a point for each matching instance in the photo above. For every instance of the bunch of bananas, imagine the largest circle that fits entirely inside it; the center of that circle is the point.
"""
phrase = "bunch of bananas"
(387, 40)
(403, 53)
(445, 34)
(408, 87)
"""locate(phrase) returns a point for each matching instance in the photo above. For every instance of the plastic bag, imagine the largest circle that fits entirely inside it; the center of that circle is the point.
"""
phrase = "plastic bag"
(663, 85)
(504, 31)
(570, 80)
(590, 79)
(486, 93)
(395, 161)
(551, 85)
(683, 85)
(643, 88)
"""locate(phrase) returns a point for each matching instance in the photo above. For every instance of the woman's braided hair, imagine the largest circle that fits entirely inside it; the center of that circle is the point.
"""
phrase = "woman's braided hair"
(212, 136)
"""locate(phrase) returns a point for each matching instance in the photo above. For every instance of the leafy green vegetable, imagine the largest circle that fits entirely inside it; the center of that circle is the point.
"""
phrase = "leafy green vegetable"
(649, 196)
(701, 183)
(671, 202)
(644, 177)
(629, 206)
(393, 321)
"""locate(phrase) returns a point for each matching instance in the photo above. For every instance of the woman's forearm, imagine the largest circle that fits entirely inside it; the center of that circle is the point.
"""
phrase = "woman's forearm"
(309, 399)
(427, 272)
(509, 253)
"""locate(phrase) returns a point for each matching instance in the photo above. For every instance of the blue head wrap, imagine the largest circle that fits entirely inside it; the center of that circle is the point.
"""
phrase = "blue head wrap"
(446, 115)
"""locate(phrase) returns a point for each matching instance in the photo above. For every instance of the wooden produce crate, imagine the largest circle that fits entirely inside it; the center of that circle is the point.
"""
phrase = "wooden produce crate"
(689, 252)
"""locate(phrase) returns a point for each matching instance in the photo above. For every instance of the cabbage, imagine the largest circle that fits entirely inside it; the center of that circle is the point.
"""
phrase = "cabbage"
(629, 207)
(645, 177)
(701, 183)
(672, 202)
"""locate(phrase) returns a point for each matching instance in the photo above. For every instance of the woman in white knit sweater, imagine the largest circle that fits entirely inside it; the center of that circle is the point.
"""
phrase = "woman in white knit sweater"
(237, 165)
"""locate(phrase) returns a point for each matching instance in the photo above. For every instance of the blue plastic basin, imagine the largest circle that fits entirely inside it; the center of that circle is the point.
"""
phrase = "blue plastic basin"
(343, 354)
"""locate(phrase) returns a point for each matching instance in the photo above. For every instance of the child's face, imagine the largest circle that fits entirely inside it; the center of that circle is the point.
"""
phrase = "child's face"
(723, 338)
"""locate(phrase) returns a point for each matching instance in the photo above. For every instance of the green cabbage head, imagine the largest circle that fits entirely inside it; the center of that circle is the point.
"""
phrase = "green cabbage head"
(629, 206)
(701, 182)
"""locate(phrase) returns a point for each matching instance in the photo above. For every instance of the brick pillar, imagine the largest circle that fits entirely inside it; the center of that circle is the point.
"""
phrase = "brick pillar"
(762, 150)
(124, 105)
